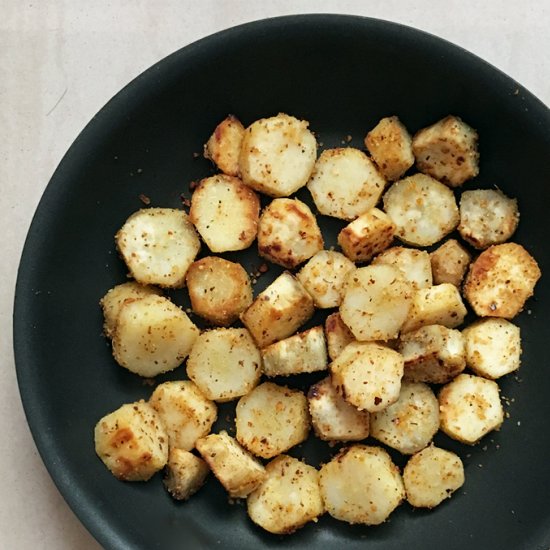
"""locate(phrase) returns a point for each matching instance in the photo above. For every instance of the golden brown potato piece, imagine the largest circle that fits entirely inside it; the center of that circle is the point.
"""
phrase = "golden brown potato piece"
(414, 264)
(367, 235)
(447, 151)
(219, 290)
(185, 474)
(338, 335)
(278, 311)
(390, 145)
(224, 145)
(132, 442)
(501, 280)
(288, 233)
(225, 212)
(450, 262)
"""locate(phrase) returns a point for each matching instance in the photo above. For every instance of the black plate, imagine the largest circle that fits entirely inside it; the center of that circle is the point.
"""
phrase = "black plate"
(342, 74)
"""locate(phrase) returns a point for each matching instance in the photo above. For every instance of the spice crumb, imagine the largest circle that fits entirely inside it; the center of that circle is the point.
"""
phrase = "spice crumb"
(144, 199)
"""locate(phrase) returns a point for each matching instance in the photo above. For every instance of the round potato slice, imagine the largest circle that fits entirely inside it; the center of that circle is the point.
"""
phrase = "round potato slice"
(224, 145)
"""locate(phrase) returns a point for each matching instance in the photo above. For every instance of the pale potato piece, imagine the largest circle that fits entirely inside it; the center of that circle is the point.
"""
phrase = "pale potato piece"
(493, 347)
(450, 262)
(158, 246)
(447, 151)
(132, 442)
(368, 375)
(332, 417)
(337, 334)
(345, 183)
(278, 311)
(186, 413)
(437, 305)
(236, 469)
(414, 264)
(431, 476)
(376, 302)
(288, 498)
(500, 280)
(219, 290)
(423, 210)
(115, 298)
(487, 216)
(409, 424)
(225, 212)
(390, 145)
(271, 419)
(361, 484)
(152, 336)
(367, 235)
(185, 474)
(470, 408)
(323, 277)
(433, 354)
(303, 352)
(224, 145)
(288, 233)
(225, 363)
(277, 155)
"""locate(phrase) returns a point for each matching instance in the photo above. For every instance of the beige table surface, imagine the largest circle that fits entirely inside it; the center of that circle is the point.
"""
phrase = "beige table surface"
(61, 61)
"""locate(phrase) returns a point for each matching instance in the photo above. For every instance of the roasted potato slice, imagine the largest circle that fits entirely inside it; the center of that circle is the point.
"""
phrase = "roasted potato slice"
(500, 280)
(219, 290)
(450, 262)
(185, 474)
(225, 212)
(271, 419)
(158, 246)
(288, 233)
(132, 442)
(337, 334)
(345, 183)
(224, 145)
(414, 264)
(277, 155)
(288, 498)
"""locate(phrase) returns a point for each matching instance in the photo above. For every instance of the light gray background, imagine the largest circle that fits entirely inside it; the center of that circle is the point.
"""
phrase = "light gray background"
(61, 61)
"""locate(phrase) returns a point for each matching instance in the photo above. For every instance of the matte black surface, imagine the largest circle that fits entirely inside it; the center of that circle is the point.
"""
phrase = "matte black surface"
(342, 74)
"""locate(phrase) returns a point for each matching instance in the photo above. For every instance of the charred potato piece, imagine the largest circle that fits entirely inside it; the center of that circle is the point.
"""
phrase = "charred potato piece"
(414, 264)
(337, 334)
(224, 145)
(185, 474)
(449, 263)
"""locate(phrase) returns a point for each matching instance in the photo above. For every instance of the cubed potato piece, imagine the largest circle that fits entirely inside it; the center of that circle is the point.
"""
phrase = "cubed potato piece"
(368, 375)
(324, 276)
(376, 302)
(409, 424)
(186, 413)
(271, 419)
(277, 155)
(345, 183)
(332, 417)
(225, 363)
(132, 442)
(152, 336)
(185, 474)
(367, 235)
(225, 212)
(447, 151)
(500, 280)
(219, 290)
(117, 296)
(414, 264)
(288, 498)
(433, 354)
(303, 352)
(437, 305)
(158, 246)
(234, 467)
(431, 476)
(423, 210)
(493, 347)
(361, 484)
(337, 334)
(278, 311)
(487, 216)
(449, 263)
(288, 233)
(224, 145)
(470, 408)
(390, 145)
